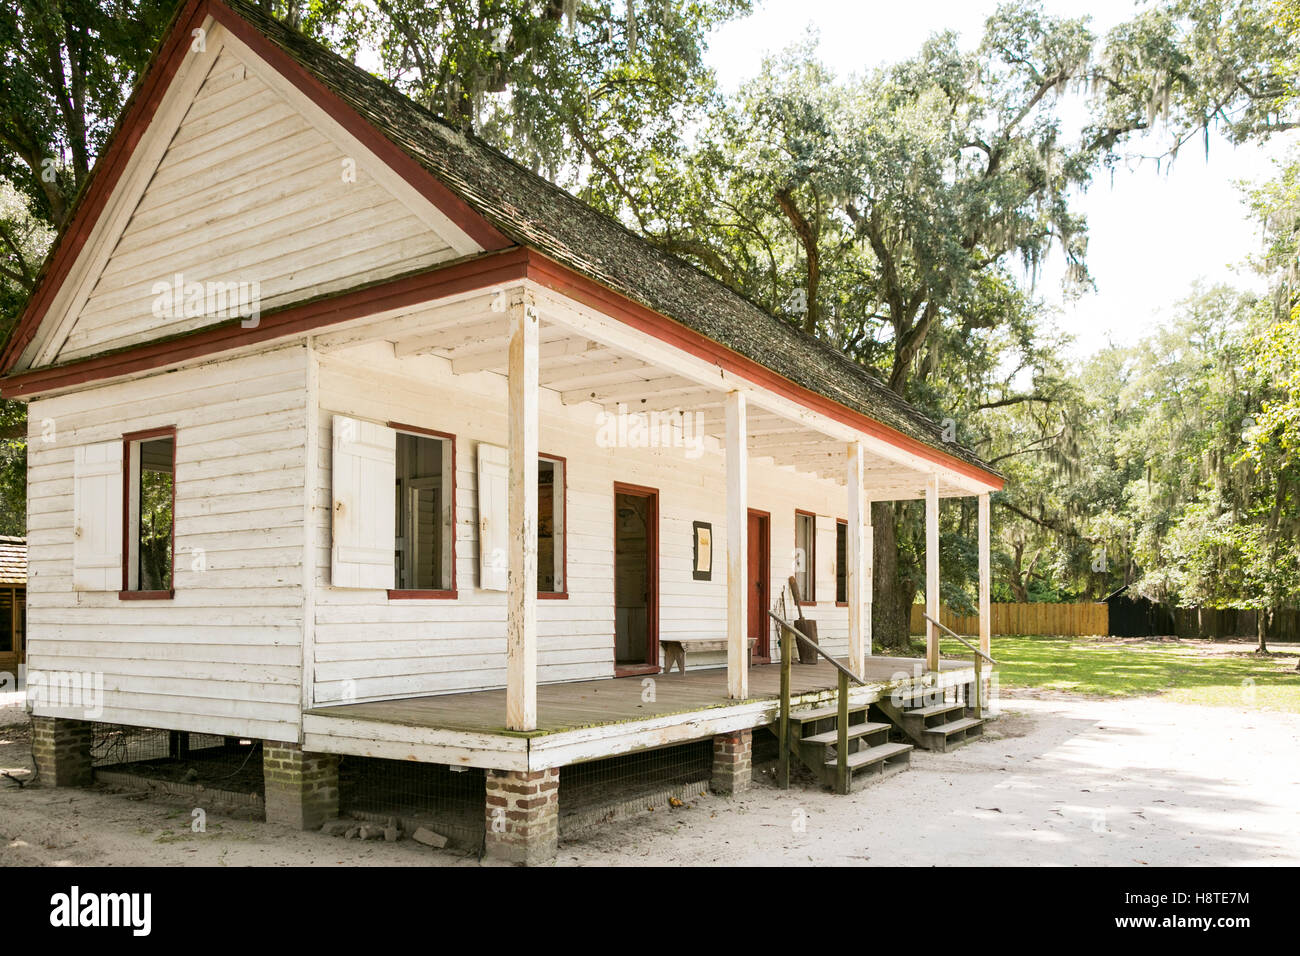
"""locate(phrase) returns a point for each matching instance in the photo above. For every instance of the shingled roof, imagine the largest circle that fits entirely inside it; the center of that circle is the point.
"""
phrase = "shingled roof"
(13, 561)
(532, 212)
(535, 213)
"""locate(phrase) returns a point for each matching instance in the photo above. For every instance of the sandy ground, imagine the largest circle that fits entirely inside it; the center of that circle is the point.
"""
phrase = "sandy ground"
(1058, 780)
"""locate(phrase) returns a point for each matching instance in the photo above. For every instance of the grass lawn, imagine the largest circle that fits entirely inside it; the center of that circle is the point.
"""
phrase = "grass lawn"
(1224, 673)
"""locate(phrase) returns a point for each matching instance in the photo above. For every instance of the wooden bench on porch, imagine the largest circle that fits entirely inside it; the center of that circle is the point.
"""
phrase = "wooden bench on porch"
(675, 650)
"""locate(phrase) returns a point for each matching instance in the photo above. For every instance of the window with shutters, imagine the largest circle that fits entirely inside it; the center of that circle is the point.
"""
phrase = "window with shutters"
(98, 522)
(550, 527)
(493, 521)
(148, 557)
(841, 562)
(424, 504)
(805, 555)
(363, 519)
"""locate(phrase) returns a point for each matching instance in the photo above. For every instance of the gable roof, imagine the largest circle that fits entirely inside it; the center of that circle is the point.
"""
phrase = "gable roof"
(526, 209)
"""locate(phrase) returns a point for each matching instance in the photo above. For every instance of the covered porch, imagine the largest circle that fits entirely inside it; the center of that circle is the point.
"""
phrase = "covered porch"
(589, 720)
(543, 366)
(568, 352)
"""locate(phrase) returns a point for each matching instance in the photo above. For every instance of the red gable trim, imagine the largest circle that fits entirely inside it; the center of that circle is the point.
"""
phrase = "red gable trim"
(578, 287)
(104, 178)
(466, 275)
(451, 205)
(140, 113)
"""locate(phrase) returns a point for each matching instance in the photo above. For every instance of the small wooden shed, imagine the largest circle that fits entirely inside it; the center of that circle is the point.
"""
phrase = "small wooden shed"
(13, 602)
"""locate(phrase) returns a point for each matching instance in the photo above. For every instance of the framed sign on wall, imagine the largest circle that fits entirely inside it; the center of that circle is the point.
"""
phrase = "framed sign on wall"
(702, 568)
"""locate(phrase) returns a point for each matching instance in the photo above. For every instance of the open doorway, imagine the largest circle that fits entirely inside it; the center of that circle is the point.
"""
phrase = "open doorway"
(636, 579)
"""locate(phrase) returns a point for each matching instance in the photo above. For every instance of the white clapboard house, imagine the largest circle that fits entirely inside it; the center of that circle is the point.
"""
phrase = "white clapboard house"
(351, 436)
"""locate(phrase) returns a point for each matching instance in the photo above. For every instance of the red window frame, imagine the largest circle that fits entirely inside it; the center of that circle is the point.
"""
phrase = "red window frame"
(432, 594)
(128, 533)
(563, 557)
(841, 523)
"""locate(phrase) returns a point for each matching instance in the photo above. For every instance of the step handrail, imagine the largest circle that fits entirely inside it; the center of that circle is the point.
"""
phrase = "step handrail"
(842, 774)
(977, 654)
(816, 647)
(952, 633)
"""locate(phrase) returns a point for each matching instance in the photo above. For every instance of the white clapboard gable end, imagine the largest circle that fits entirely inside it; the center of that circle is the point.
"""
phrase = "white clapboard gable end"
(365, 475)
(258, 200)
(97, 507)
(493, 516)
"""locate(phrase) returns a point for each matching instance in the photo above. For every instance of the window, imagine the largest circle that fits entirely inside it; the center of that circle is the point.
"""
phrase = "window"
(424, 543)
(149, 560)
(493, 521)
(841, 562)
(805, 555)
(550, 526)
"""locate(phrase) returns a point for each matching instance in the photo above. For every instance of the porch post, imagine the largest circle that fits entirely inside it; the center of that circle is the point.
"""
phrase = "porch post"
(521, 617)
(857, 558)
(932, 572)
(868, 575)
(986, 579)
(738, 596)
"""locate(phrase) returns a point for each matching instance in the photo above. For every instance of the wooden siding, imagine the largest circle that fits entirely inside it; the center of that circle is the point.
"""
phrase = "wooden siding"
(367, 647)
(248, 190)
(225, 655)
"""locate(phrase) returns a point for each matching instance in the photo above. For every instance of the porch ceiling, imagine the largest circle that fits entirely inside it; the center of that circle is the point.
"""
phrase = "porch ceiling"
(614, 369)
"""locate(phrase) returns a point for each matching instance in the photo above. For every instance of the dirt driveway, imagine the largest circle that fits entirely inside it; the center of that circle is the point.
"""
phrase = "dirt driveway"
(1059, 780)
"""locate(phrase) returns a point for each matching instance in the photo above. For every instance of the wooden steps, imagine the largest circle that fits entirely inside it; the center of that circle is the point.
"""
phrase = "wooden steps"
(822, 713)
(939, 725)
(879, 758)
(814, 738)
(934, 710)
(855, 730)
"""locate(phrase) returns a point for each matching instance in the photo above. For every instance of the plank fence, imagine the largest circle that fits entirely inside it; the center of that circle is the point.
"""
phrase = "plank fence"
(1075, 620)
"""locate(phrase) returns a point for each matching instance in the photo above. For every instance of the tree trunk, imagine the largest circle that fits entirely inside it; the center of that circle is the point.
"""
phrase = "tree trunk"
(891, 599)
(1261, 630)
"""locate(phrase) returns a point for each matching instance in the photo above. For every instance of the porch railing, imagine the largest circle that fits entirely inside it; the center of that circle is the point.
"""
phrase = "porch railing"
(977, 655)
(842, 733)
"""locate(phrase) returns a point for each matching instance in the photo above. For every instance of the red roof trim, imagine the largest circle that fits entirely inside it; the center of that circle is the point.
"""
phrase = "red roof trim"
(465, 275)
(564, 280)
(511, 265)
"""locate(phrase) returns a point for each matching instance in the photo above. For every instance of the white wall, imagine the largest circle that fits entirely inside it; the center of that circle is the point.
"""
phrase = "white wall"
(250, 190)
(369, 647)
(225, 654)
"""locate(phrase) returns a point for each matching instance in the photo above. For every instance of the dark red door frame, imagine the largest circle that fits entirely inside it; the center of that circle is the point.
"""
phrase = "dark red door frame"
(763, 649)
(651, 666)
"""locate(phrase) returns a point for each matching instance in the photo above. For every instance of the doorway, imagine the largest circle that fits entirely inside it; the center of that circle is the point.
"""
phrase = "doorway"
(758, 578)
(636, 580)
(13, 624)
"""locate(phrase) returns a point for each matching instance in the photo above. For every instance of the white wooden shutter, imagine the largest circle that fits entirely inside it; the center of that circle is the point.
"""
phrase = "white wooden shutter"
(493, 516)
(97, 517)
(364, 522)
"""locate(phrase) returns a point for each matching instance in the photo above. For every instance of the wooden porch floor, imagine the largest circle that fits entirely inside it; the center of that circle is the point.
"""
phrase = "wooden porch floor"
(594, 703)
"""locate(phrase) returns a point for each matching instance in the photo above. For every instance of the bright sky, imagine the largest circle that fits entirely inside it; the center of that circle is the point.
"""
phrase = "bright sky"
(1151, 234)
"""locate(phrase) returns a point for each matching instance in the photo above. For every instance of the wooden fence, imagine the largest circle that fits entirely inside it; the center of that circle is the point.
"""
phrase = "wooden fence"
(1067, 619)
